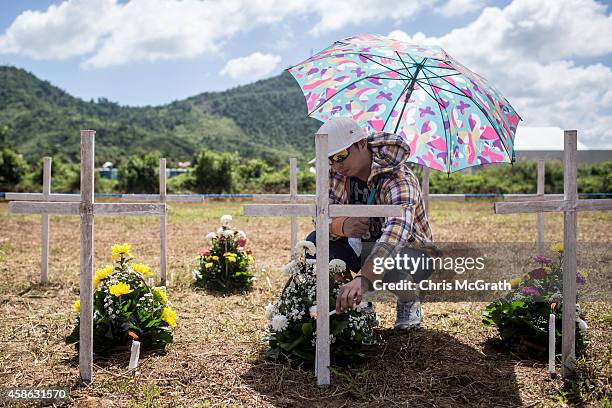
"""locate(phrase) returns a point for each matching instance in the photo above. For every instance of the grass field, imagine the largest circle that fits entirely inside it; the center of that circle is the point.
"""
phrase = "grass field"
(217, 359)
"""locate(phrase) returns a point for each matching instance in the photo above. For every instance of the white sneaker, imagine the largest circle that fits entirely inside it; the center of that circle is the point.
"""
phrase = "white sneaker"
(409, 315)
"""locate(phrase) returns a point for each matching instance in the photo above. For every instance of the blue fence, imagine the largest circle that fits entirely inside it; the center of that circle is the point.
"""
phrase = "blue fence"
(237, 195)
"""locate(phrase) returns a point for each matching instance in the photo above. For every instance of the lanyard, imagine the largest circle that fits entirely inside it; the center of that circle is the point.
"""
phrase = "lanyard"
(371, 196)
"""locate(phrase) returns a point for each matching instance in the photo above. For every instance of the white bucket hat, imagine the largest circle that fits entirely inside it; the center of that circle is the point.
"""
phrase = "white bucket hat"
(341, 132)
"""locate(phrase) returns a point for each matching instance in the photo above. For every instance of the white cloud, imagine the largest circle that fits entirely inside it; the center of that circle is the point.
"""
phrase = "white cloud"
(453, 8)
(254, 66)
(340, 13)
(110, 33)
(526, 50)
(63, 31)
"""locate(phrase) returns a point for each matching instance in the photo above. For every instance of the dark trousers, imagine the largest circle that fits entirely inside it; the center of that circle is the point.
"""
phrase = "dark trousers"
(339, 249)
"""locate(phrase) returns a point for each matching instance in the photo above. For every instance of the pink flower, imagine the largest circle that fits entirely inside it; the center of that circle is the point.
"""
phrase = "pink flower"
(580, 279)
(530, 291)
(204, 252)
(538, 273)
(544, 260)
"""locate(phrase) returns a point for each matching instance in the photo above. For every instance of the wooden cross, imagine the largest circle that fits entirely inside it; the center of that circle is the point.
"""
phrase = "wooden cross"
(162, 198)
(292, 197)
(87, 209)
(514, 197)
(45, 197)
(322, 211)
(570, 205)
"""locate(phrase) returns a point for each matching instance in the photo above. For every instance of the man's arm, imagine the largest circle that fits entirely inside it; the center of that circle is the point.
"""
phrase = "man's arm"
(396, 232)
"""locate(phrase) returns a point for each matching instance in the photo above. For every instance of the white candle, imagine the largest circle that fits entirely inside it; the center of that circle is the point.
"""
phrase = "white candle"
(135, 355)
(551, 344)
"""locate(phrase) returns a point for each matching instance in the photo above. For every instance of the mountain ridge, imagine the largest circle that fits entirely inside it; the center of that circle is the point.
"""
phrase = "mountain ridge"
(264, 119)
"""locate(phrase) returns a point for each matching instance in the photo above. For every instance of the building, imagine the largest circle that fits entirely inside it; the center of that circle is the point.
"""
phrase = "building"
(532, 143)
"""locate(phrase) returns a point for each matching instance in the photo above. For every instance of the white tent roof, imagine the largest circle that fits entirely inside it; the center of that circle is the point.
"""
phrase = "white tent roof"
(540, 138)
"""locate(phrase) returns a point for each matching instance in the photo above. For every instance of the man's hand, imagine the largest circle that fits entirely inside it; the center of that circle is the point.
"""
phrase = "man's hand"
(355, 227)
(350, 294)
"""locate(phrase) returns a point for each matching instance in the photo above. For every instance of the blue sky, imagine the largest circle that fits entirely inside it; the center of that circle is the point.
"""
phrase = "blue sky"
(544, 55)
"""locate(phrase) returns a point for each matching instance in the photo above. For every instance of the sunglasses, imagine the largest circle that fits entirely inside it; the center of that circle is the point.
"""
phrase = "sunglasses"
(339, 157)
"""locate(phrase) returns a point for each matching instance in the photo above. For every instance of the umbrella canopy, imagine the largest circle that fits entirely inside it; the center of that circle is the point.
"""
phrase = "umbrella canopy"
(451, 117)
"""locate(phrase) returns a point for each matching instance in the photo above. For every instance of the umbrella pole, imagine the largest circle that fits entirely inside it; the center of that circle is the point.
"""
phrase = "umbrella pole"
(410, 89)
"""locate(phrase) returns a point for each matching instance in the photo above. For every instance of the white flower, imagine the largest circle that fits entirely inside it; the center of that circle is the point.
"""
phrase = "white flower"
(582, 325)
(361, 306)
(313, 311)
(196, 274)
(289, 268)
(228, 233)
(241, 235)
(337, 265)
(270, 311)
(209, 237)
(305, 246)
(279, 322)
(225, 220)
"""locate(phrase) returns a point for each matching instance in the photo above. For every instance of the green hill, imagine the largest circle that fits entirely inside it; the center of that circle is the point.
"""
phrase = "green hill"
(265, 119)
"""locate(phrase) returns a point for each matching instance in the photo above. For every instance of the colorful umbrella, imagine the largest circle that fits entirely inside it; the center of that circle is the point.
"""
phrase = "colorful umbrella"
(451, 117)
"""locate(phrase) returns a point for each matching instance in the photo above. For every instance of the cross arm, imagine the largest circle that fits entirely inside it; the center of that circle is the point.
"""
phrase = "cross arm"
(129, 209)
(336, 210)
(300, 198)
(42, 197)
(41, 207)
(156, 198)
(34, 207)
(552, 206)
(279, 210)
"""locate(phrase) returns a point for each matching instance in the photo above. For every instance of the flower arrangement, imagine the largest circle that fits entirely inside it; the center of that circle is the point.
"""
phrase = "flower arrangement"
(225, 264)
(521, 317)
(291, 332)
(126, 308)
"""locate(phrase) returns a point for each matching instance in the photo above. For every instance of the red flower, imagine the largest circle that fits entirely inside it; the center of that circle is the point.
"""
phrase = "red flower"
(204, 252)
(242, 242)
(538, 273)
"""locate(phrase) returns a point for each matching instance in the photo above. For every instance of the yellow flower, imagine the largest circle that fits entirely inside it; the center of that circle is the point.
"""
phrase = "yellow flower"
(76, 306)
(251, 259)
(515, 282)
(162, 294)
(558, 247)
(169, 316)
(230, 256)
(142, 269)
(118, 250)
(101, 274)
(547, 269)
(119, 289)
(215, 258)
(208, 264)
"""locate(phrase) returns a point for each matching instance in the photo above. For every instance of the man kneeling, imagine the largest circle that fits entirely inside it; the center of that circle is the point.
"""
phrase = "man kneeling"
(373, 170)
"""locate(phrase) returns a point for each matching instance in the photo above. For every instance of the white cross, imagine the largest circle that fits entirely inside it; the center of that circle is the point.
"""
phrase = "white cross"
(87, 209)
(162, 198)
(570, 205)
(322, 211)
(45, 197)
(292, 197)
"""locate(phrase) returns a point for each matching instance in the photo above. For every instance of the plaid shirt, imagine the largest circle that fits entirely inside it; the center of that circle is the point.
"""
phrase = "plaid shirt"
(395, 184)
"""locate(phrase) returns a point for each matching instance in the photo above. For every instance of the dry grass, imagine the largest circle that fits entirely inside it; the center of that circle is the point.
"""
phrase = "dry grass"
(216, 358)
